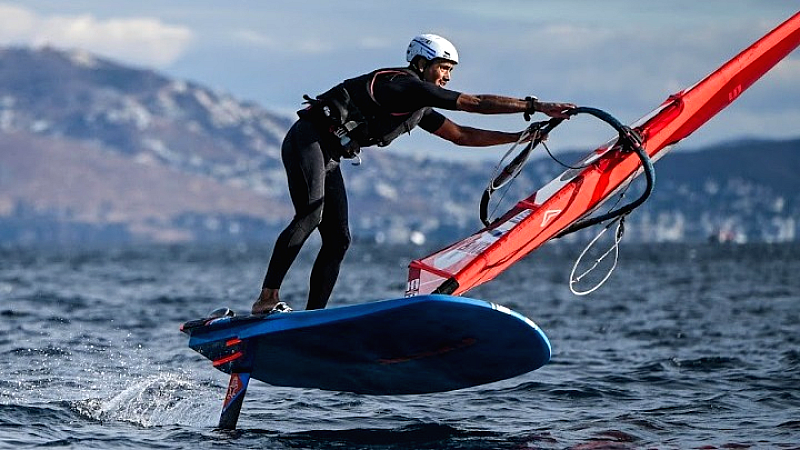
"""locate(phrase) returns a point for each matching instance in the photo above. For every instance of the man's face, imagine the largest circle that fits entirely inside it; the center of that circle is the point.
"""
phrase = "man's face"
(438, 71)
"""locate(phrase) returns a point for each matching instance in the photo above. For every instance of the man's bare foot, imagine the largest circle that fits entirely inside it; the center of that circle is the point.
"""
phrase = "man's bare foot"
(266, 301)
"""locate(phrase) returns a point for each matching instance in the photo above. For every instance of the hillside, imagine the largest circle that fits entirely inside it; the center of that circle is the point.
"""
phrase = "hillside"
(96, 152)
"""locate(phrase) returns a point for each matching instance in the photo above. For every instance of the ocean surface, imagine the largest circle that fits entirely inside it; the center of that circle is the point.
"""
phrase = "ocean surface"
(684, 347)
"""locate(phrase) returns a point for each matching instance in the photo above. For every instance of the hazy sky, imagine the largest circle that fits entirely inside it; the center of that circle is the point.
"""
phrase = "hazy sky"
(622, 56)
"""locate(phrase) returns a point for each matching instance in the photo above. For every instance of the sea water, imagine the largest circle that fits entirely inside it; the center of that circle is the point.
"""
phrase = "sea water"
(685, 346)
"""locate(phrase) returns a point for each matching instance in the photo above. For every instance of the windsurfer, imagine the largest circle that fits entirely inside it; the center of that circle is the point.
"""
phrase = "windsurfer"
(371, 109)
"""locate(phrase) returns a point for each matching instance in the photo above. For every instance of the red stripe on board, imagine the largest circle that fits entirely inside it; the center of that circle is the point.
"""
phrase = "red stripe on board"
(227, 359)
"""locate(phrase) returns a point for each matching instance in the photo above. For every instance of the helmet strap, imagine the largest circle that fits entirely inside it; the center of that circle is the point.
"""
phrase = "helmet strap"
(415, 64)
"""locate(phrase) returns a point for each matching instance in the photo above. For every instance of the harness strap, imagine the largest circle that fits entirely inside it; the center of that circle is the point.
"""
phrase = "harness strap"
(371, 88)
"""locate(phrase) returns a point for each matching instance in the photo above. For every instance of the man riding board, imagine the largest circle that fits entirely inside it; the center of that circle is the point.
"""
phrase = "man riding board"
(371, 109)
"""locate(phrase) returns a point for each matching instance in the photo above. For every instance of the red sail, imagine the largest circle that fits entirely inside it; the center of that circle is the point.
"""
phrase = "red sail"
(540, 217)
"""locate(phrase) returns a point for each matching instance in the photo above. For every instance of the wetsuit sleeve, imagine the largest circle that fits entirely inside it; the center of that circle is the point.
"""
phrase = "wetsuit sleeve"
(431, 120)
(400, 94)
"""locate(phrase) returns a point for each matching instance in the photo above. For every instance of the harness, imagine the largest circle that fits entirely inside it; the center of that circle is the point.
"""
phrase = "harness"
(354, 117)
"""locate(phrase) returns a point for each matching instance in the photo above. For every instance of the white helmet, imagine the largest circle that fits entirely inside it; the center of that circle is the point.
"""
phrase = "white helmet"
(431, 46)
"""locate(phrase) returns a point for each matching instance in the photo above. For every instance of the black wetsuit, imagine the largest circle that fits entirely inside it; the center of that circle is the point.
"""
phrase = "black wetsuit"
(390, 101)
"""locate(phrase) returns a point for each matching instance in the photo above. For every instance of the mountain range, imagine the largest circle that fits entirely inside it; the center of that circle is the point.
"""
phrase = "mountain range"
(96, 152)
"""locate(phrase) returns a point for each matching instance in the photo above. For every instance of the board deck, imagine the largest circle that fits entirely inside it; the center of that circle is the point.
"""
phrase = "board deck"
(417, 345)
